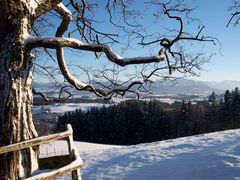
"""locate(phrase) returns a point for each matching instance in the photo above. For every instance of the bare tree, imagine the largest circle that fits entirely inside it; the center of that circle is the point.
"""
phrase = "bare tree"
(22, 28)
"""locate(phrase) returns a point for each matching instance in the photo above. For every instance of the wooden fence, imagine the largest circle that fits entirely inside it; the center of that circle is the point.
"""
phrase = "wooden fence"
(75, 161)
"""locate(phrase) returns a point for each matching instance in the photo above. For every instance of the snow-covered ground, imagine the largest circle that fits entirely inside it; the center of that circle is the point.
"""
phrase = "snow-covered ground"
(214, 156)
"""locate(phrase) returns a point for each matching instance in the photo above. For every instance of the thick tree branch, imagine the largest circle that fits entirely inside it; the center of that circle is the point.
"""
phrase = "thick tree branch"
(45, 6)
(66, 18)
(169, 47)
(35, 42)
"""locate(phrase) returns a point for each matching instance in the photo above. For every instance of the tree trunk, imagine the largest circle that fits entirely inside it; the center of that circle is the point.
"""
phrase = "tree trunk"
(16, 90)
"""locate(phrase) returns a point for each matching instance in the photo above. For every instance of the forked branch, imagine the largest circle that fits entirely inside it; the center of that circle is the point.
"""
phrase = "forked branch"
(169, 47)
(59, 42)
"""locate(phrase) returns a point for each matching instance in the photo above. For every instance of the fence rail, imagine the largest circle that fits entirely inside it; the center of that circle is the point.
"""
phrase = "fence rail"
(73, 167)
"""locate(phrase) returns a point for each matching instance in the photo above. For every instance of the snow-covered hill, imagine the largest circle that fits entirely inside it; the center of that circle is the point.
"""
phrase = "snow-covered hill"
(214, 156)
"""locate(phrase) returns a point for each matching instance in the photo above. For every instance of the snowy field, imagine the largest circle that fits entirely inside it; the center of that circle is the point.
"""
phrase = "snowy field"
(66, 107)
(214, 156)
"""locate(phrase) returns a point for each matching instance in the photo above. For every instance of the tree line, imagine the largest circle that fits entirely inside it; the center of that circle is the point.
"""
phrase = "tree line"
(132, 121)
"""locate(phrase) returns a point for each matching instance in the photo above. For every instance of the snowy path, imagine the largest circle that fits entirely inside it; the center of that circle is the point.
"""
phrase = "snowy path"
(214, 156)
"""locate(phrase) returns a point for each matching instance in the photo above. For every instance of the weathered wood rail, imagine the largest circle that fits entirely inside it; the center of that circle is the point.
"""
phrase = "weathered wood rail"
(74, 166)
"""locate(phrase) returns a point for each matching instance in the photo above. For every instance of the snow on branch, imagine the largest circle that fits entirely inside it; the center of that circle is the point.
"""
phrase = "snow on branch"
(45, 6)
(35, 42)
(66, 18)
(170, 48)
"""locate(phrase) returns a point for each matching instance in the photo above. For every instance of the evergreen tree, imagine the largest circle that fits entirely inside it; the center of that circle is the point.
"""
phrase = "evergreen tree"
(212, 99)
(211, 113)
(132, 122)
(181, 118)
(235, 108)
(227, 102)
(225, 113)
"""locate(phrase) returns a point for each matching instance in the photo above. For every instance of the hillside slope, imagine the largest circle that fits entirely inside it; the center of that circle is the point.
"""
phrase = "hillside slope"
(207, 156)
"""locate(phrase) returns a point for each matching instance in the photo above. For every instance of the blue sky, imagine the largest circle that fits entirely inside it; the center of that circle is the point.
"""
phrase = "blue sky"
(214, 15)
(224, 65)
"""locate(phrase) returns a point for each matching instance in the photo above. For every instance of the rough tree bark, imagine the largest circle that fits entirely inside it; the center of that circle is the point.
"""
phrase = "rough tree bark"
(16, 89)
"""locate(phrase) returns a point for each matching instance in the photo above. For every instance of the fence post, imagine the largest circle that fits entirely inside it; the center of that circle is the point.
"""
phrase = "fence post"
(76, 175)
(74, 154)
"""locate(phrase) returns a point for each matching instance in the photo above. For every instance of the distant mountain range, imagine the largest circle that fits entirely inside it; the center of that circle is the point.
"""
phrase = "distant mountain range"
(181, 86)
(186, 86)
(224, 85)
